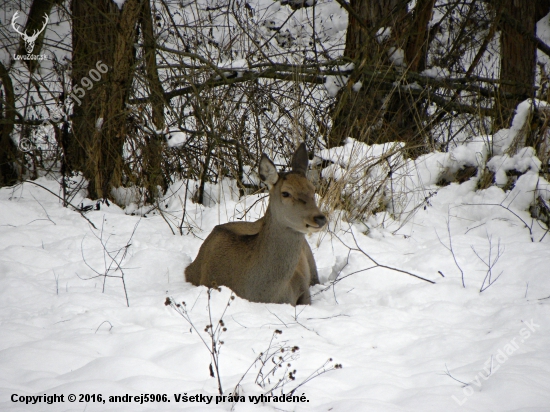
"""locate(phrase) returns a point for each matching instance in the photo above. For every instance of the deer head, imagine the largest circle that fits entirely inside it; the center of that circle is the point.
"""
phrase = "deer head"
(291, 194)
(29, 40)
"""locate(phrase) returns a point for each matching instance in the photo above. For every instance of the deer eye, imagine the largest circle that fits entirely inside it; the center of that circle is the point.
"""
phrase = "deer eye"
(285, 194)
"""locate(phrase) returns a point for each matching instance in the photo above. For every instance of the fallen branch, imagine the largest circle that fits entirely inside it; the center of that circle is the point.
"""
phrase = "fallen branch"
(357, 248)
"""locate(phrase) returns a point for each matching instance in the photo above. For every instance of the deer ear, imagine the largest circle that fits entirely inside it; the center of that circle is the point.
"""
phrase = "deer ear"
(300, 160)
(268, 171)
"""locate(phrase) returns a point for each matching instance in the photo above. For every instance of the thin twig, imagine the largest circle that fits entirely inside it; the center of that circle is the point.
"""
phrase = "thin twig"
(450, 248)
(358, 248)
(452, 377)
(44, 209)
(63, 200)
(105, 321)
(529, 228)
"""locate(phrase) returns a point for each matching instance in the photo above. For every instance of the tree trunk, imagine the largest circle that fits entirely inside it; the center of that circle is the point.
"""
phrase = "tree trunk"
(517, 56)
(8, 150)
(354, 110)
(416, 48)
(110, 165)
(152, 155)
(102, 32)
(156, 90)
(376, 113)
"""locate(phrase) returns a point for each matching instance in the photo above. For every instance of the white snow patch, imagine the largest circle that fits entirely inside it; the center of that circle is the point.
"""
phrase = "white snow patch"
(397, 56)
(505, 137)
(523, 161)
(437, 72)
(176, 138)
(383, 34)
(333, 84)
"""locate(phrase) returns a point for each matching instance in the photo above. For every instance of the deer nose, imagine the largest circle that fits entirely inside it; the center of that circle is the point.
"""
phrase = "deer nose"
(320, 220)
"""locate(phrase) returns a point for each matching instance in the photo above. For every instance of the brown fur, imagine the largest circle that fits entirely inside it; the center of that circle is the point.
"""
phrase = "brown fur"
(268, 260)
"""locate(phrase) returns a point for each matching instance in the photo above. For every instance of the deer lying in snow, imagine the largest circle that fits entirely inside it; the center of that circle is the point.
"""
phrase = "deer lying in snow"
(268, 260)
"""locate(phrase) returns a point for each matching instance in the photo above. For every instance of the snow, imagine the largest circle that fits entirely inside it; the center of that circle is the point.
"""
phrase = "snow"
(333, 84)
(175, 138)
(396, 336)
(119, 3)
(383, 34)
(522, 161)
(504, 138)
(437, 72)
(395, 181)
(397, 56)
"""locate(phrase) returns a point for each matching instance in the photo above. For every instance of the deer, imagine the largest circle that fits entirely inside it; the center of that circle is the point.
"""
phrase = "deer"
(29, 40)
(269, 260)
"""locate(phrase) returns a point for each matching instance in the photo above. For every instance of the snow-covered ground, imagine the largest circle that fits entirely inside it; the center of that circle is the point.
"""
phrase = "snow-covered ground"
(404, 343)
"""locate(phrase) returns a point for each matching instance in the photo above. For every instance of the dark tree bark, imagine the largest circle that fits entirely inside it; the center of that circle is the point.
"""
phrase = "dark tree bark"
(102, 32)
(152, 156)
(110, 165)
(8, 150)
(354, 110)
(156, 90)
(396, 117)
(517, 56)
(416, 48)
(518, 44)
(93, 34)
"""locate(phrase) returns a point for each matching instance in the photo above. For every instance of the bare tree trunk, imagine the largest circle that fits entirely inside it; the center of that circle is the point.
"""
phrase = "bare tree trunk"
(152, 155)
(94, 33)
(102, 32)
(156, 90)
(517, 56)
(376, 113)
(8, 150)
(354, 110)
(416, 48)
(406, 113)
(110, 165)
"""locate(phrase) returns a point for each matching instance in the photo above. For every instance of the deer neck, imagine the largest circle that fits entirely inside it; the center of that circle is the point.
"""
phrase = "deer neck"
(279, 248)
